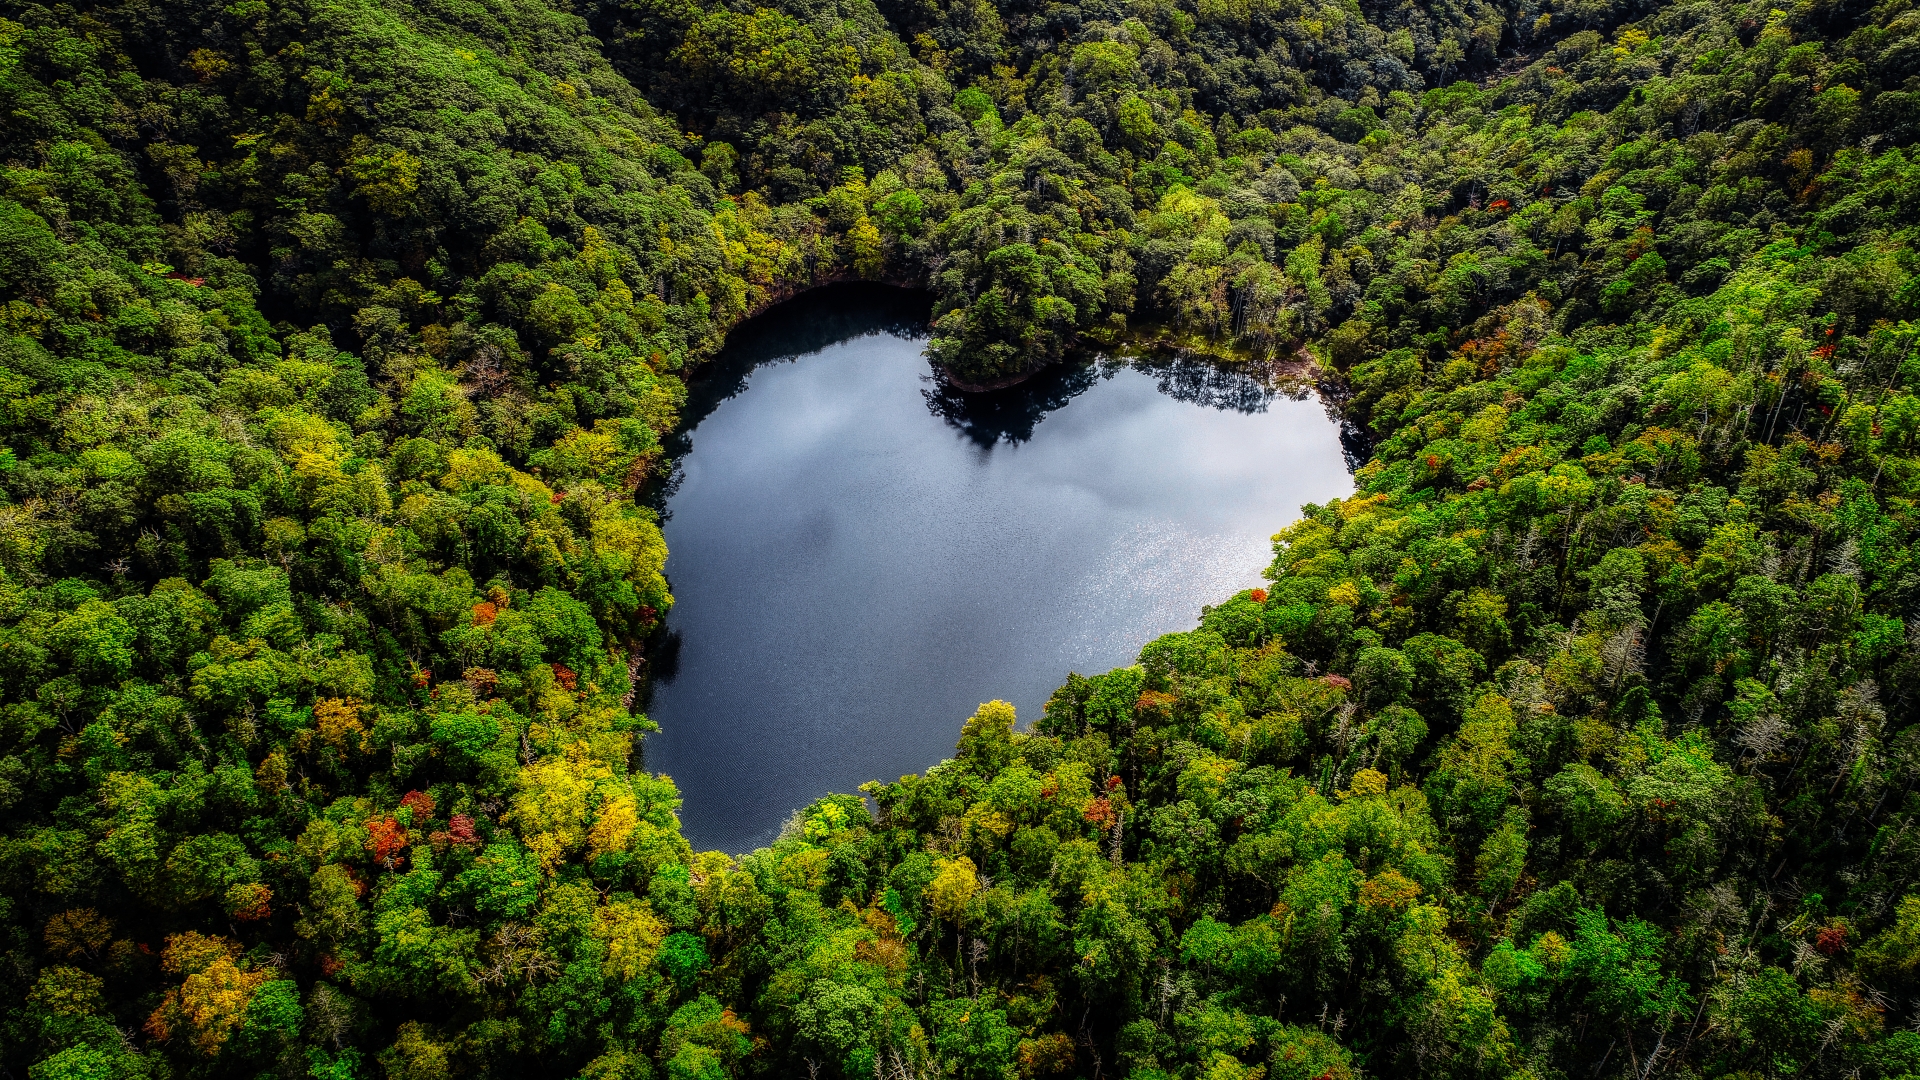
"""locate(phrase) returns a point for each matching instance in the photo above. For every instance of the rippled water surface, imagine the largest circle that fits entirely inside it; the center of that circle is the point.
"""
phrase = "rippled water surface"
(860, 557)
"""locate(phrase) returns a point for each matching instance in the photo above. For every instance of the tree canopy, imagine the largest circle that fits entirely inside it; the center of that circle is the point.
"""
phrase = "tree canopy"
(336, 338)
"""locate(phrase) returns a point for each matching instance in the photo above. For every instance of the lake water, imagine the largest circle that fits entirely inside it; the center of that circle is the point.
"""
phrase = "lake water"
(859, 556)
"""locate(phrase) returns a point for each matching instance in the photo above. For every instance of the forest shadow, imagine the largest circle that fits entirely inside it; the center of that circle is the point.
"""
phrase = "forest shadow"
(784, 333)
(796, 328)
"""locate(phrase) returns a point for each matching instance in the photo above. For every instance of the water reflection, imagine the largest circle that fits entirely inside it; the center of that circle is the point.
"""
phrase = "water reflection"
(844, 312)
(1240, 388)
(1011, 414)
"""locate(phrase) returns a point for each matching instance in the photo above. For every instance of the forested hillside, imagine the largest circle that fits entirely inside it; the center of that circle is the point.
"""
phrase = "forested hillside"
(1580, 742)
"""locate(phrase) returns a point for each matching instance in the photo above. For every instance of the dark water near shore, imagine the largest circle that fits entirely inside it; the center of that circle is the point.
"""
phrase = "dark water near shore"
(860, 557)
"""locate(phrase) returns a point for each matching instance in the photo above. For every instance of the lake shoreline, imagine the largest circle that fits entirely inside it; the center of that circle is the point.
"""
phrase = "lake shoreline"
(840, 516)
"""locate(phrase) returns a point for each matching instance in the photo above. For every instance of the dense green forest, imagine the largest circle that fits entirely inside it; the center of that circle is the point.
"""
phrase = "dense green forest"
(1580, 742)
